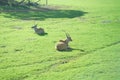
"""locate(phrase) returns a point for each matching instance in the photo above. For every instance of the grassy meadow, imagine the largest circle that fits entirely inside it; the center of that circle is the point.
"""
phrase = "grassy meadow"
(94, 26)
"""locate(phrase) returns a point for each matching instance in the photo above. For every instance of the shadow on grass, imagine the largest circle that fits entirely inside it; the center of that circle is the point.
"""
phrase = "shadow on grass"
(42, 34)
(42, 14)
(71, 49)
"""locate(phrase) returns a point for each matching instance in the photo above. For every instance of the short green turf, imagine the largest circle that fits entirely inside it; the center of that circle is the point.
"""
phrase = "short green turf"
(94, 26)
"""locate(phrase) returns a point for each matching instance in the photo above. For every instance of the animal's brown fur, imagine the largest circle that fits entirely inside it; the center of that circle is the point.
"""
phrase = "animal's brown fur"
(38, 30)
(63, 44)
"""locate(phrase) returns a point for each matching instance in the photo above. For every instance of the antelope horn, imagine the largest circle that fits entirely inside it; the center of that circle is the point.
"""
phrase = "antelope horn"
(67, 35)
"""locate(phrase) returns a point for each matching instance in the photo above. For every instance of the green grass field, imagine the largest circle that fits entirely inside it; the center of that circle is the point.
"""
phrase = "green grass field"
(94, 26)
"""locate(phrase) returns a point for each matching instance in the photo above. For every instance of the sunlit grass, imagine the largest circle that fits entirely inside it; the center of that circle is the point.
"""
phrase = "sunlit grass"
(93, 26)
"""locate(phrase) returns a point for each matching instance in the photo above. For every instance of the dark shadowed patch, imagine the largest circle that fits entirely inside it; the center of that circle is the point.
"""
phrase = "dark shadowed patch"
(43, 14)
(42, 34)
(2, 46)
(17, 50)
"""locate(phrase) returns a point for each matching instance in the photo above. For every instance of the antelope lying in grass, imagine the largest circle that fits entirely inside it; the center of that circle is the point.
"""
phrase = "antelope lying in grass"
(39, 31)
(62, 45)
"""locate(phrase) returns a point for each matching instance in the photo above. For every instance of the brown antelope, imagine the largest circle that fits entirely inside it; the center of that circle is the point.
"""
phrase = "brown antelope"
(39, 31)
(63, 44)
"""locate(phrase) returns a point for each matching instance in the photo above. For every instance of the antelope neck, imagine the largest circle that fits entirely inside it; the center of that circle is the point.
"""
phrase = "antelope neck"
(67, 40)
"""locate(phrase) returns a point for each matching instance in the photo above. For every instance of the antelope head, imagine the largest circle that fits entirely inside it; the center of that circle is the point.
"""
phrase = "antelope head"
(35, 26)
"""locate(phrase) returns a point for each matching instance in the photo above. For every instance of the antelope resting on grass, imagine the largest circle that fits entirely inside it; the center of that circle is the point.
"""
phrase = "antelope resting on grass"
(62, 45)
(39, 31)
